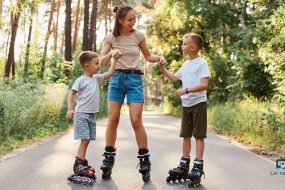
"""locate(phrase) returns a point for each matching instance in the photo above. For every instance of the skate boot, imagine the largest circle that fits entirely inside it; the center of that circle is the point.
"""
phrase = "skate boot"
(83, 173)
(145, 166)
(196, 173)
(108, 164)
(180, 172)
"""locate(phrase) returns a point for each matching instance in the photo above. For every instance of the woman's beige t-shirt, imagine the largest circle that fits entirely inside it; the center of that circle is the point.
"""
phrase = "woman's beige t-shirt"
(131, 58)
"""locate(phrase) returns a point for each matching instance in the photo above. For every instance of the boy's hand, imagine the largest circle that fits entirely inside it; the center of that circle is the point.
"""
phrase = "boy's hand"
(180, 92)
(116, 54)
(69, 115)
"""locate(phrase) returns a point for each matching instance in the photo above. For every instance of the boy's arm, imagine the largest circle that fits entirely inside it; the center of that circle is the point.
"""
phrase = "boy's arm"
(169, 75)
(198, 88)
(70, 110)
(111, 70)
(202, 86)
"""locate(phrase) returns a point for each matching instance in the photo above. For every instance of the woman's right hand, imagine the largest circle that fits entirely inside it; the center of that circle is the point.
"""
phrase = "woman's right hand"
(162, 62)
(116, 54)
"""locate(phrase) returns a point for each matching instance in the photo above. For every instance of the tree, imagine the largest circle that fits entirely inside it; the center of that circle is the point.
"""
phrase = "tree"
(41, 74)
(68, 45)
(92, 31)
(76, 26)
(86, 26)
(33, 7)
(1, 20)
(15, 16)
(55, 26)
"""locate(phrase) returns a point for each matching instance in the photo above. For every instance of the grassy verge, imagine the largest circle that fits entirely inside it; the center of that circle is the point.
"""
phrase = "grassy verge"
(30, 111)
(258, 123)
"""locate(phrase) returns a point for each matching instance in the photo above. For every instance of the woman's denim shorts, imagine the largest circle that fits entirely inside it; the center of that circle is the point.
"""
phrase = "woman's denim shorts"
(122, 84)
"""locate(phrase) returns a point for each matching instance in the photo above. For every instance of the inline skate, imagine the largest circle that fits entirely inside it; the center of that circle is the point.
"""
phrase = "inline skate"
(145, 166)
(180, 172)
(83, 173)
(196, 173)
(108, 164)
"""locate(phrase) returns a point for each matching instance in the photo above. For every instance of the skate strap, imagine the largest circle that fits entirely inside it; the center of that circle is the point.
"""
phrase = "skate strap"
(198, 162)
(82, 168)
(183, 161)
(144, 155)
(106, 153)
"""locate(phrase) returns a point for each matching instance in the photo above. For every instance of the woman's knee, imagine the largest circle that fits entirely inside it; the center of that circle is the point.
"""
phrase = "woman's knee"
(114, 119)
(136, 123)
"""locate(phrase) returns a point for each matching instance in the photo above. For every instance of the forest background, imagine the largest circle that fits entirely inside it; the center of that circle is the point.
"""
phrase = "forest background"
(244, 46)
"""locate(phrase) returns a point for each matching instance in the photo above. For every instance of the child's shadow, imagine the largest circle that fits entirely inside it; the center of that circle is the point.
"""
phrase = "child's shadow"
(185, 185)
(149, 186)
(99, 184)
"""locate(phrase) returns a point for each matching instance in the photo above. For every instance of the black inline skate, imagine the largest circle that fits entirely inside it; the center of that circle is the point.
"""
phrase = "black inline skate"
(181, 172)
(83, 173)
(145, 166)
(108, 164)
(196, 173)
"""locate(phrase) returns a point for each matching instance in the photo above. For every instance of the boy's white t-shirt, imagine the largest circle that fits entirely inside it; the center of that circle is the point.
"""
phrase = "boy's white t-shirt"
(190, 73)
(87, 89)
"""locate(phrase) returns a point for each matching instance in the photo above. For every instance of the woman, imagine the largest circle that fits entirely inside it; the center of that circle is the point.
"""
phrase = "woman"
(127, 80)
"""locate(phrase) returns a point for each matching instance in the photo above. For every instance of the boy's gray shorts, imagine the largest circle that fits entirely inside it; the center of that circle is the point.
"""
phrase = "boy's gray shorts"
(84, 126)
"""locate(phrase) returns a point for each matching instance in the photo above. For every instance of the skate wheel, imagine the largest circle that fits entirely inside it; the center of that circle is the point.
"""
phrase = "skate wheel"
(106, 174)
(70, 177)
(168, 179)
(146, 177)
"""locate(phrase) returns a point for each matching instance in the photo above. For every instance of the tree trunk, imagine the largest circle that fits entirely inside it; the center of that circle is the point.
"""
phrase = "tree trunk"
(86, 26)
(92, 31)
(26, 66)
(106, 2)
(1, 10)
(55, 27)
(76, 25)
(68, 46)
(41, 75)
(15, 16)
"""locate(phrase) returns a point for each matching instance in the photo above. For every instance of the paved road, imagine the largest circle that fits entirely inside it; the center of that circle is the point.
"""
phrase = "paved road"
(227, 166)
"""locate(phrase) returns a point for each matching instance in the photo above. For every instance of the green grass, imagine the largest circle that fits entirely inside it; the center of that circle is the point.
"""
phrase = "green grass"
(261, 123)
(29, 111)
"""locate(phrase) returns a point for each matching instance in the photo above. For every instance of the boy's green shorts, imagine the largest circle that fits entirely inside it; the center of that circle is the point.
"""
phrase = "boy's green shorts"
(194, 121)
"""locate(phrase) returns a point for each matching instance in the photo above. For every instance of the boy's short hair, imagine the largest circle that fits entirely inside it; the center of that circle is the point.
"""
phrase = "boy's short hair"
(197, 39)
(86, 56)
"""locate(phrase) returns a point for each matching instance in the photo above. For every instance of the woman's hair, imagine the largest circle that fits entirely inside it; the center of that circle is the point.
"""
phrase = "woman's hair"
(86, 56)
(121, 13)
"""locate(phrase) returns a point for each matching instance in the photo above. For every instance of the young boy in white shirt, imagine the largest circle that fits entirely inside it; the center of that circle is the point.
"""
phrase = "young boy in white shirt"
(194, 74)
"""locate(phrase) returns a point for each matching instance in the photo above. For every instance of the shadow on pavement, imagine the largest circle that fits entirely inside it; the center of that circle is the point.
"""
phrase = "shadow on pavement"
(149, 186)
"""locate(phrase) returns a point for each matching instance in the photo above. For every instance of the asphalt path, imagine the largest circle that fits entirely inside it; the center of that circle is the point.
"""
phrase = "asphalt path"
(228, 165)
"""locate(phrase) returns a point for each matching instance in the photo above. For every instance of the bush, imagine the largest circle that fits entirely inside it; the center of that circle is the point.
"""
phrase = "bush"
(259, 122)
(30, 110)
